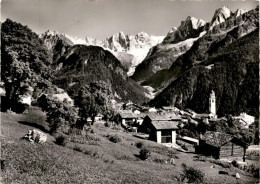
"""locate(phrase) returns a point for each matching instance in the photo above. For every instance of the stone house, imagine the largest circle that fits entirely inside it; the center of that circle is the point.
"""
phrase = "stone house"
(161, 128)
(245, 119)
(126, 118)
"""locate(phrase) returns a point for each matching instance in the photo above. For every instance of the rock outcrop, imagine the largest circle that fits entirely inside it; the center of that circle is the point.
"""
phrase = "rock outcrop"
(36, 136)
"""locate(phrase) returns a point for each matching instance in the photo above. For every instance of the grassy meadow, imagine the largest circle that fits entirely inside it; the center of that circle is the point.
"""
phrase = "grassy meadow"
(94, 158)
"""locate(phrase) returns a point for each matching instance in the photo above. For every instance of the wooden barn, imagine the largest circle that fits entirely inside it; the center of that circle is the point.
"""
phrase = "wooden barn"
(221, 145)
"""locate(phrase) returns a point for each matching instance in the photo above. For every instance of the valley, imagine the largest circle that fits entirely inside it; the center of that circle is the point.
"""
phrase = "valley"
(182, 107)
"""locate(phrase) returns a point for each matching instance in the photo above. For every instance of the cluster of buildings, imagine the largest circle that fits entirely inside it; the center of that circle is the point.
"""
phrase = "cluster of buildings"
(161, 124)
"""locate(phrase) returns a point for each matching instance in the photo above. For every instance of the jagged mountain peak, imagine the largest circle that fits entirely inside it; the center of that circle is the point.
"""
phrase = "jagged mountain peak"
(224, 10)
(51, 32)
(220, 15)
(240, 12)
(119, 34)
(142, 34)
(190, 28)
(194, 22)
(172, 30)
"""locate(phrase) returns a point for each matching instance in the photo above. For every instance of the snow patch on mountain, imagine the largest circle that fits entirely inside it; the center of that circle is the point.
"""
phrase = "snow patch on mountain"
(76, 40)
(220, 16)
(196, 23)
(135, 45)
(172, 30)
(240, 12)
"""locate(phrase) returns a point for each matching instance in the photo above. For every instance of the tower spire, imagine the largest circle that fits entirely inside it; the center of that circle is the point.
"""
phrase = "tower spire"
(212, 103)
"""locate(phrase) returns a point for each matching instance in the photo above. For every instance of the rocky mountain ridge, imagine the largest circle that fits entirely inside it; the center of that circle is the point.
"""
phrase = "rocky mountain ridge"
(153, 70)
(222, 59)
(129, 49)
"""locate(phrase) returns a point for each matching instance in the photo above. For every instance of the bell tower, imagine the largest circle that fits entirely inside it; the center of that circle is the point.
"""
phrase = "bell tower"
(212, 103)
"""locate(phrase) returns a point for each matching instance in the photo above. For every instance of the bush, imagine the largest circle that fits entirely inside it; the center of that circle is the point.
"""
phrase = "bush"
(78, 148)
(144, 154)
(113, 138)
(160, 160)
(182, 145)
(252, 169)
(106, 124)
(61, 140)
(253, 155)
(192, 175)
(139, 144)
(234, 163)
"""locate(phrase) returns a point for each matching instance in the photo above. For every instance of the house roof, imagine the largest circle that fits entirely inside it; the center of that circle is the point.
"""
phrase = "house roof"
(167, 107)
(198, 116)
(165, 125)
(190, 139)
(128, 114)
(163, 117)
(216, 139)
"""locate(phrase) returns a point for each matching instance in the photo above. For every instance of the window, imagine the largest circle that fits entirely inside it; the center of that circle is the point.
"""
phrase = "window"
(166, 136)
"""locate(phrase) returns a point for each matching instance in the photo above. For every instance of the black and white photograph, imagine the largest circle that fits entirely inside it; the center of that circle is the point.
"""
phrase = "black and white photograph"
(129, 92)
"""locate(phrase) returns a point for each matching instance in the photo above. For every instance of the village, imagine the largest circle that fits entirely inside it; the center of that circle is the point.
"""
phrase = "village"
(163, 125)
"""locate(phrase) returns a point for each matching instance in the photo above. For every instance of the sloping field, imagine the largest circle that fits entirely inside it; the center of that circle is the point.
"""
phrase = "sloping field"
(97, 161)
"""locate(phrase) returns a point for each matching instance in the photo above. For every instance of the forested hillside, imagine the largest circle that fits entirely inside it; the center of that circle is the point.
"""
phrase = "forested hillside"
(85, 64)
(232, 73)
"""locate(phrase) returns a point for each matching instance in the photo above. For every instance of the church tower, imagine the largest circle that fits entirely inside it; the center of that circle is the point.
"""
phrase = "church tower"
(212, 103)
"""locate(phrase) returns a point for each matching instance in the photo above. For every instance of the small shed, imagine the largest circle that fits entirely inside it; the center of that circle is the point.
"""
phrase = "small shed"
(221, 145)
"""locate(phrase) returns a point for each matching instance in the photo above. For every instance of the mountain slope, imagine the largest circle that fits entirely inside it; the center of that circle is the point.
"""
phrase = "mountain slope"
(212, 39)
(84, 64)
(129, 49)
(56, 43)
(176, 43)
(232, 73)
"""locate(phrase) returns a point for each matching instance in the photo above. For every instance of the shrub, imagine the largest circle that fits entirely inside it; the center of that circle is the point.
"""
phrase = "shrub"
(144, 154)
(234, 163)
(115, 127)
(183, 146)
(139, 144)
(61, 140)
(3, 164)
(113, 138)
(160, 160)
(106, 124)
(253, 155)
(192, 175)
(78, 148)
(252, 169)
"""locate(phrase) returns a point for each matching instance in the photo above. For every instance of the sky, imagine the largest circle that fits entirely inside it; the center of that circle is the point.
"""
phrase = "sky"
(102, 18)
